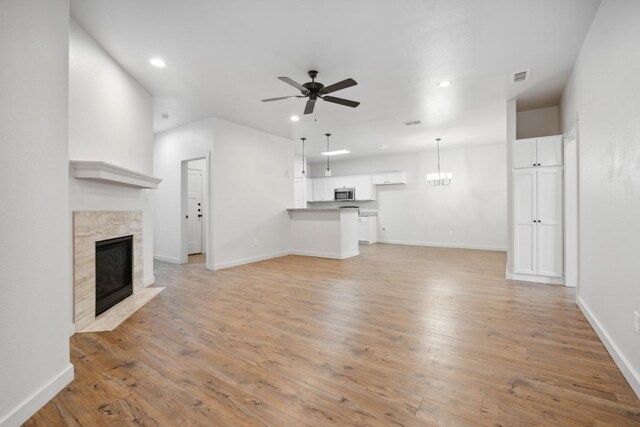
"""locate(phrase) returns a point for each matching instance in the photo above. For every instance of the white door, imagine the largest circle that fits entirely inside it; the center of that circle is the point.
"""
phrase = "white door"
(525, 227)
(524, 153)
(194, 204)
(550, 222)
(549, 150)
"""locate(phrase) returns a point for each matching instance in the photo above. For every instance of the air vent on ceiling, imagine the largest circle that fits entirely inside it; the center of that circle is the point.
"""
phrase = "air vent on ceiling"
(520, 76)
(412, 122)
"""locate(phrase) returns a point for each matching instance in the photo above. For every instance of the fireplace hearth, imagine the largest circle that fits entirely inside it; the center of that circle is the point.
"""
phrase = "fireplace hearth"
(114, 272)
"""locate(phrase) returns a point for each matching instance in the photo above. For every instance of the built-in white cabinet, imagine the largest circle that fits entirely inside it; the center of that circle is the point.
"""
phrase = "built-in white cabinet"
(389, 178)
(322, 189)
(318, 190)
(368, 229)
(364, 187)
(538, 201)
(537, 152)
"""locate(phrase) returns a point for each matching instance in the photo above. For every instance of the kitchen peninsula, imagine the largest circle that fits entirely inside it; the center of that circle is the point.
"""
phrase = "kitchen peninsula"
(324, 232)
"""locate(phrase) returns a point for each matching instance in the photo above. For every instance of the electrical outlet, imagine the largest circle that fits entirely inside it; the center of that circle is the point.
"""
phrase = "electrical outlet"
(636, 322)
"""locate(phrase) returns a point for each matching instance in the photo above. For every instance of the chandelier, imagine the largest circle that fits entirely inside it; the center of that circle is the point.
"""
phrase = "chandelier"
(439, 178)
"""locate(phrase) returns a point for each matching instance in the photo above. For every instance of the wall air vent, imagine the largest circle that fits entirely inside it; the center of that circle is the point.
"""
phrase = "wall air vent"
(412, 122)
(520, 76)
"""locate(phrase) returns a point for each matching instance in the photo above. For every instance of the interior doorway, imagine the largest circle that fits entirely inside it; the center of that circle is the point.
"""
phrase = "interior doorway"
(571, 189)
(195, 211)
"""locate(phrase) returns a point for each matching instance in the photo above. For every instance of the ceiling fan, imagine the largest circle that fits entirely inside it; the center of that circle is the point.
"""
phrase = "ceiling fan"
(314, 90)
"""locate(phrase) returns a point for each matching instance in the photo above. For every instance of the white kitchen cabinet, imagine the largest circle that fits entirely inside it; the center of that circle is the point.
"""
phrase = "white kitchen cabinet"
(364, 188)
(537, 152)
(344, 181)
(318, 189)
(368, 229)
(329, 187)
(538, 245)
(309, 193)
(389, 178)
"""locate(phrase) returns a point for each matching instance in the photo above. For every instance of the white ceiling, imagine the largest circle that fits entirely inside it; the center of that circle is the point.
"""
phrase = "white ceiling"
(223, 57)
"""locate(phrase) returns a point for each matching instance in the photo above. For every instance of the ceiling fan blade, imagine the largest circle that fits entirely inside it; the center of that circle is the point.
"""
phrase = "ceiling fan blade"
(341, 101)
(339, 86)
(282, 97)
(308, 109)
(294, 84)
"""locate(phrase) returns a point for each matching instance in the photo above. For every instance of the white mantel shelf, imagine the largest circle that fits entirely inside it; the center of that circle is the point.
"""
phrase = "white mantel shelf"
(103, 171)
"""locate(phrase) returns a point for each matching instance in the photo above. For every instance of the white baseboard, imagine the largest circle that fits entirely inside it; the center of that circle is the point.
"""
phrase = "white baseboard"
(534, 279)
(37, 400)
(236, 262)
(631, 375)
(148, 281)
(172, 260)
(72, 330)
(444, 245)
(325, 254)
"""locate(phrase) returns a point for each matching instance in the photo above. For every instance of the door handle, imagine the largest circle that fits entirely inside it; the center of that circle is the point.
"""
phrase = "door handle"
(199, 215)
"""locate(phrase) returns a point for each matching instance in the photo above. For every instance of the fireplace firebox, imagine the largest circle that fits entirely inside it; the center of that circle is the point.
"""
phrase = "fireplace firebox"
(114, 272)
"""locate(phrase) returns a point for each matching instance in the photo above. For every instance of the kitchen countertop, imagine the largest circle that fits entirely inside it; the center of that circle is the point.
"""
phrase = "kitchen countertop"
(368, 212)
(321, 209)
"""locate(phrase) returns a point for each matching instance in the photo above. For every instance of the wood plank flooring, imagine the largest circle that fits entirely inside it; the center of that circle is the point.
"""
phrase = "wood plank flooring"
(399, 336)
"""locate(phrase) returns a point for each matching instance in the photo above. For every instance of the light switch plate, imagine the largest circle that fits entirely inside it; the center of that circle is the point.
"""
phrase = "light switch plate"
(636, 322)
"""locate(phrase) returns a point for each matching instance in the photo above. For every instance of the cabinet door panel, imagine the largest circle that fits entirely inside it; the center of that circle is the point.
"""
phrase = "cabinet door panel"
(525, 228)
(318, 189)
(524, 153)
(344, 182)
(550, 222)
(329, 187)
(549, 150)
(363, 187)
(397, 178)
(379, 179)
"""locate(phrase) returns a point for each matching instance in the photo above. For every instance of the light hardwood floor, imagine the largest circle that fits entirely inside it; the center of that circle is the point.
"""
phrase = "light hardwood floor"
(400, 335)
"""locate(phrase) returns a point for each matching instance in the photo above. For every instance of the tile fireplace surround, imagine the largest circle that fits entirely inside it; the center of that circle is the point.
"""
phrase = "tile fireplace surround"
(90, 227)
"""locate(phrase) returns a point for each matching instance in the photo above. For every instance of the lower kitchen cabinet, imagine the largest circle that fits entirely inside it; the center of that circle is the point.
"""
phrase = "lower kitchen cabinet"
(368, 229)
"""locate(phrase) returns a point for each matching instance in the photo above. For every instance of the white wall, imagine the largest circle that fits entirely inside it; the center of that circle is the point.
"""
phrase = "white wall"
(539, 122)
(468, 213)
(603, 90)
(35, 254)
(110, 119)
(251, 187)
(511, 116)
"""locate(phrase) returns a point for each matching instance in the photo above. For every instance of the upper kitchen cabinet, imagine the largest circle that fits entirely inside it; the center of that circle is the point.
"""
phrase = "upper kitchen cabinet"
(535, 152)
(343, 181)
(364, 187)
(389, 178)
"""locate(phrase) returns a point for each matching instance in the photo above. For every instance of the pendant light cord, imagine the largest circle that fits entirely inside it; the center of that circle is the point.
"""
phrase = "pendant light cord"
(438, 139)
(328, 135)
(303, 139)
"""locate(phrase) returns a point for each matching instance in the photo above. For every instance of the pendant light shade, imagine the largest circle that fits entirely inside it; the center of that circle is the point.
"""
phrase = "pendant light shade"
(327, 172)
(439, 178)
(303, 159)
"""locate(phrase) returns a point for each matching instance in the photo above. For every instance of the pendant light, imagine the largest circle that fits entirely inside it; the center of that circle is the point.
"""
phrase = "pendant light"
(303, 161)
(328, 171)
(439, 178)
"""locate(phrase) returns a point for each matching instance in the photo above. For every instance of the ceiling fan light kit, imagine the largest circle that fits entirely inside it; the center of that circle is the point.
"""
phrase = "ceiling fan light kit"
(437, 179)
(314, 90)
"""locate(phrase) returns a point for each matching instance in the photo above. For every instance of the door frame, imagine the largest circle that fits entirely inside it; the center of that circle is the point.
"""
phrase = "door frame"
(572, 189)
(184, 209)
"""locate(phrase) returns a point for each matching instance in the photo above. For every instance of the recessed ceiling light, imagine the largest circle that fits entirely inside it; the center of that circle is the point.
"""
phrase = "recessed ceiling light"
(294, 118)
(335, 152)
(383, 146)
(445, 83)
(157, 62)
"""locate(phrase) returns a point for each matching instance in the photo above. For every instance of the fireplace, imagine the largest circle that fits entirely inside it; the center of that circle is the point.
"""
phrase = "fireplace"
(114, 272)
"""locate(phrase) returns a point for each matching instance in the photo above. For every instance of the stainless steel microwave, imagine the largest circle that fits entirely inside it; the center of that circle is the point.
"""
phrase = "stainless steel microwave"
(344, 194)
